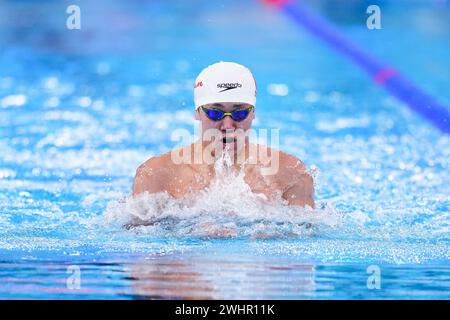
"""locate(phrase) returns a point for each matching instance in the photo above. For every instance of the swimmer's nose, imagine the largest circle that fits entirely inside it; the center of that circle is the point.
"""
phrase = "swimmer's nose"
(227, 124)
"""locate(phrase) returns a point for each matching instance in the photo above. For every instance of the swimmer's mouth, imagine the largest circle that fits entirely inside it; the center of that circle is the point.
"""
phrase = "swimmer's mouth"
(228, 140)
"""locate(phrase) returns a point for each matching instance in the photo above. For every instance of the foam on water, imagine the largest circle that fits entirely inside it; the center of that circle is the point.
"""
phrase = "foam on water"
(227, 208)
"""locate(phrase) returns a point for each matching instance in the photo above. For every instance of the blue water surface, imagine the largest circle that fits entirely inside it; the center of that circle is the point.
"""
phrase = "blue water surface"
(81, 109)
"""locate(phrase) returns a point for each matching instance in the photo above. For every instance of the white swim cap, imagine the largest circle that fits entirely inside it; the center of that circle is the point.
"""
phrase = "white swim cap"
(225, 82)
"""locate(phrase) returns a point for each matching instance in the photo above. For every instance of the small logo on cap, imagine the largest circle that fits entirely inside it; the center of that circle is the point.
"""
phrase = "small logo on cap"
(198, 84)
(228, 86)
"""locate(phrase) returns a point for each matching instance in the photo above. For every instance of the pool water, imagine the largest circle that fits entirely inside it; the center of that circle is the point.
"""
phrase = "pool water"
(81, 109)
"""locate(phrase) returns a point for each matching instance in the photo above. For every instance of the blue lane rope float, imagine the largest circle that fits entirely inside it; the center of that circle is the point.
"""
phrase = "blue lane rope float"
(388, 77)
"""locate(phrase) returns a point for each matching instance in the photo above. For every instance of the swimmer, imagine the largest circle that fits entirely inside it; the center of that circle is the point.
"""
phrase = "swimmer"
(225, 101)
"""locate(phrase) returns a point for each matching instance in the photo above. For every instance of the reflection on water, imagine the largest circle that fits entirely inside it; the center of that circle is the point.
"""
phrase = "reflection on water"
(200, 277)
(218, 276)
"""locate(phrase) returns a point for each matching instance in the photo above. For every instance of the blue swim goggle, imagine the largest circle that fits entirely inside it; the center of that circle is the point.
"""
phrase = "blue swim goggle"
(237, 115)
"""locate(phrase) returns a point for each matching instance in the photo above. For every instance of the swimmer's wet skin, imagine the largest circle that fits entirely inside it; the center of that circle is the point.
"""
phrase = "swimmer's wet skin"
(225, 99)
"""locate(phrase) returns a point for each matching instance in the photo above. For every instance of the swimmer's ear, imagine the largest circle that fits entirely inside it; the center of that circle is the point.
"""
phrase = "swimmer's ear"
(197, 114)
(252, 115)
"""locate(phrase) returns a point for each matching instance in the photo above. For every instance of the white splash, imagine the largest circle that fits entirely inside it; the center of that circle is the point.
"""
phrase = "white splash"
(227, 208)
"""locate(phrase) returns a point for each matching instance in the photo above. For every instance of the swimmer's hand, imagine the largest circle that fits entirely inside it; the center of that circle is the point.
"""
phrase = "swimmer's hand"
(267, 235)
(214, 231)
(132, 225)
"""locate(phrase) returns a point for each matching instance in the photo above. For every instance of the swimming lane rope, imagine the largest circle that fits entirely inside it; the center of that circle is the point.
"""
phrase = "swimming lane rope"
(383, 74)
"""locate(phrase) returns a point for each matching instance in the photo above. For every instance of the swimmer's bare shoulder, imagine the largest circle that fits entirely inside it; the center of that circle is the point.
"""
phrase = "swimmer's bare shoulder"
(164, 173)
(296, 182)
(151, 176)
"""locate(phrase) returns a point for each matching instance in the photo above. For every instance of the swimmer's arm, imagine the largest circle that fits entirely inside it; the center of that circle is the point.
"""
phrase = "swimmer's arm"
(148, 179)
(302, 192)
(299, 183)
